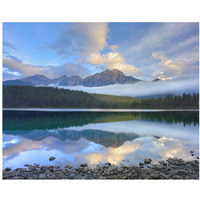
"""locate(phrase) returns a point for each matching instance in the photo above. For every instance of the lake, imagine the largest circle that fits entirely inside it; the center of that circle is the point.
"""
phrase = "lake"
(97, 136)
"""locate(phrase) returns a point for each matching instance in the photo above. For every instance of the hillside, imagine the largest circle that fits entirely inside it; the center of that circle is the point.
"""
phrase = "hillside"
(48, 97)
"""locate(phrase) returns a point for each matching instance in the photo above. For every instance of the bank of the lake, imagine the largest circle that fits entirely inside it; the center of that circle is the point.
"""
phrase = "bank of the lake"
(97, 110)
(172, 168)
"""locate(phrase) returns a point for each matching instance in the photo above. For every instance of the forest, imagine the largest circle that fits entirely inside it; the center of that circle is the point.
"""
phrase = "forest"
(48, 97)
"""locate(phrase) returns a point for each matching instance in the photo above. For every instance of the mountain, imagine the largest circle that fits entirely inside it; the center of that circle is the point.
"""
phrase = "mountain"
(37, 80)
(107, 77)
(68, 81)
(156, 79)
(17, 82)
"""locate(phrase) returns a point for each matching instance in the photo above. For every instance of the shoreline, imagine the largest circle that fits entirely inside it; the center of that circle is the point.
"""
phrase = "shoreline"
(172, 168)
(98, 110)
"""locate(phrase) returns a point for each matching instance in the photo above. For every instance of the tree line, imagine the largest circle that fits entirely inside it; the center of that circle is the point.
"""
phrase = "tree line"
(48, 97)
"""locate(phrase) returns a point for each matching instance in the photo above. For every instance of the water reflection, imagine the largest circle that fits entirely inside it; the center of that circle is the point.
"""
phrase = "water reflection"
(25, 120)
(96, 138)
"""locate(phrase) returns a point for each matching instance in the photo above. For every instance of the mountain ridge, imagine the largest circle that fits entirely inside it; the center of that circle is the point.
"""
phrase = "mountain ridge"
(107, 77)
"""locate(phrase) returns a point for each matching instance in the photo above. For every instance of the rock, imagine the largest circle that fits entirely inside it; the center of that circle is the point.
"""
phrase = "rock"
(42, 176)
(108, 163)
(192, 154)
(164, 175)
(129, 174)
(84, 165)
(173, 172)
(155, 176)
(191, 151)
(72, 176)
(85, 169)
(7, 169)
(147, 161)
(141, 164)
(120, 169)
(159, 166)
(183, 172)
(52, 158)
(162, 162)
(197, 158)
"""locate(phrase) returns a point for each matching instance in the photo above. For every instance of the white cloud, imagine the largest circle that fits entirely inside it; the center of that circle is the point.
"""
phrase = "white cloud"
(113, 47)
(23, 68)
(177, 42)
(69, 69)
(80, 38)
(113, 60)
(168, 68)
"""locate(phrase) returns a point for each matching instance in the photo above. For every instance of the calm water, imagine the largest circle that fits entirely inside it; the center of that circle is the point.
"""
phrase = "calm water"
(97, 137)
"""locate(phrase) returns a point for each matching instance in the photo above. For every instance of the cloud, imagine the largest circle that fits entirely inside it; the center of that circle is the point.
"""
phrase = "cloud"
(80, 38)
(9, 45)
(141, 89)
(113, 47)
(113, 60)
(178, 42)
(68, 69)
(15, 66)
(23, 68)
(164, 36)
(168, 69)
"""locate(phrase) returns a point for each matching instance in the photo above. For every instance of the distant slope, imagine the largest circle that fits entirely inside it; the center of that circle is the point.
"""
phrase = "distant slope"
(17, 82)
(107, 77)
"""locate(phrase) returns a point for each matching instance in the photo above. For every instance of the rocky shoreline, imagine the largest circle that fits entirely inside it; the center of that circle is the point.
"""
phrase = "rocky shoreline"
(172, 168)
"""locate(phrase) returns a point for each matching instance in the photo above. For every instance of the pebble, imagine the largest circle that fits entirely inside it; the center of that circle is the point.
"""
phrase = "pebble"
(120, 169)
(147, 161)
(175, 169)
(42, 176)
(84, 165)
(52, 158)
(7, 169)
(72, 176)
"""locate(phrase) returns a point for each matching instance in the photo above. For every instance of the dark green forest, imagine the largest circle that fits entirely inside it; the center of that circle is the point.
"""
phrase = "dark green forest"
(48, 97)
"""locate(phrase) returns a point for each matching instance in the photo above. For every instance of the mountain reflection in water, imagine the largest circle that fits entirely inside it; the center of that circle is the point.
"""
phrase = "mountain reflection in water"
(96, 138)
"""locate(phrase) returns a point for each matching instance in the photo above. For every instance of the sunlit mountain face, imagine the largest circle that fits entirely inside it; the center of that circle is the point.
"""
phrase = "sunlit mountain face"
(127, 59)
(97, 137)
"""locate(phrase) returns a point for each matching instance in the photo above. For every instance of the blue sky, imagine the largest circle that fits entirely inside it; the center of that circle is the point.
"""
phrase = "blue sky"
(143, 50)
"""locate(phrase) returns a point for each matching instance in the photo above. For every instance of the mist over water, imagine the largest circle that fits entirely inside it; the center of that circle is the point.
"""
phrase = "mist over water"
(140, 89)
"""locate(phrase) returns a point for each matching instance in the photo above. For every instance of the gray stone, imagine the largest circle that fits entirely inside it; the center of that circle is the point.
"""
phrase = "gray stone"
(120, 169)
(7, 169)
(85, 169)
(42, 176)
(147, 161)
(72, 176)
(52, 158)
(173, 172)
(155, 176)
(159, 166)
(129, 174)
(84, 165)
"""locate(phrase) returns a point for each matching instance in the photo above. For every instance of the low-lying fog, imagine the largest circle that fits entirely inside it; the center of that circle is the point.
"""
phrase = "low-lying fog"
(142, 89)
